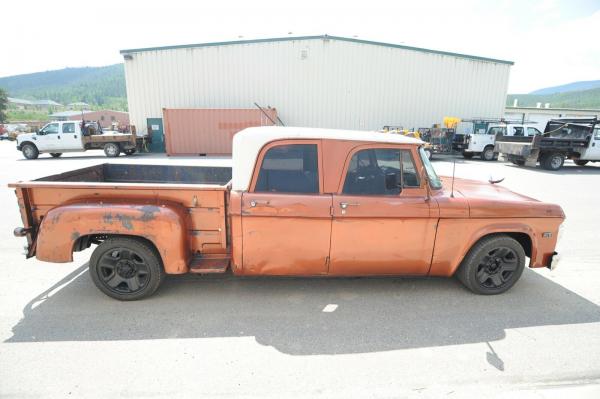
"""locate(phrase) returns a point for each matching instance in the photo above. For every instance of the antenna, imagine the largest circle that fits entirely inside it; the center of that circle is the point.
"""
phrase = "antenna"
(453, 169)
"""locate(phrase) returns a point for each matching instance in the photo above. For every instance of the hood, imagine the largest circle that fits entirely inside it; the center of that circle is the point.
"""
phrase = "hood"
(491, 200)
(25, 136)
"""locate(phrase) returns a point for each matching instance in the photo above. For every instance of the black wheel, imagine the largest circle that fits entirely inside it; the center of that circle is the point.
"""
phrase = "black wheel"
(112, 150)
(488, 154)
(552, 161)
(493, 265)
(580, 162)
(30, 151)
(126, 268)
(130, 152)
(467, 155)
(56, 154)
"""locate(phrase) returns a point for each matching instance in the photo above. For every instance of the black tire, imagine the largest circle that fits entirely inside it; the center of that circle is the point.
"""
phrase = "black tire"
(55, 154)
(493, 265)
(30, 151)
(553, 161)
(467, 155)
(488, 154)
(112, 150)
(126, 268)
(580, 162)
(130, 152)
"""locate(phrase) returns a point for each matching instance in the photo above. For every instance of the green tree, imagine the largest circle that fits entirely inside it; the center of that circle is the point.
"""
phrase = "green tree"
(3, 105)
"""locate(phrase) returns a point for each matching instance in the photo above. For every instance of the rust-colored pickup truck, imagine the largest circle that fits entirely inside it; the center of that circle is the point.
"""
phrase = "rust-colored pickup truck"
(298, 201)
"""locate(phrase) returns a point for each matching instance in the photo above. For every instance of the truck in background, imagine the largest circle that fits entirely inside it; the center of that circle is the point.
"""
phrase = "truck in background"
(59, 137)
(577, 139)
(482, 141)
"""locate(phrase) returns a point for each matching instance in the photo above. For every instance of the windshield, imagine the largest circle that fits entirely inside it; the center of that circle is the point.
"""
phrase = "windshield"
(434, 180)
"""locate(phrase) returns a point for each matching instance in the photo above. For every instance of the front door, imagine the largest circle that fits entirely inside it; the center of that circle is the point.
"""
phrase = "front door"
(156, 133)
(69, 137)
(592, 153)
(286, 218)
(46, 140)
(382, 222)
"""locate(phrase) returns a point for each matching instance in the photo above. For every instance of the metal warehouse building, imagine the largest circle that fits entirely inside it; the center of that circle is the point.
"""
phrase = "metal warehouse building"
(316, 81)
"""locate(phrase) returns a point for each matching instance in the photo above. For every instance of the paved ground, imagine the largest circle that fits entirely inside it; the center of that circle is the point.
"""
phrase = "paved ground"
(223, 336)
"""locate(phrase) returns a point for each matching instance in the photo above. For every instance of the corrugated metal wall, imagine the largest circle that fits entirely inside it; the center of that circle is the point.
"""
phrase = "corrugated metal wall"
(208, 131)
(317, 83)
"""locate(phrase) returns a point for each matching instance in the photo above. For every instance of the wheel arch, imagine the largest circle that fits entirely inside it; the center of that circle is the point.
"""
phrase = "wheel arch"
(75, 227)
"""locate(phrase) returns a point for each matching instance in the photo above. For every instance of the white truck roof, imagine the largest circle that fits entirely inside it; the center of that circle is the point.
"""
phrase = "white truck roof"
(248, 143)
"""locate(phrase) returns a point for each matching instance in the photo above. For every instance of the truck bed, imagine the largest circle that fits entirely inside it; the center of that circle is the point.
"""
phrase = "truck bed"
(200, 191)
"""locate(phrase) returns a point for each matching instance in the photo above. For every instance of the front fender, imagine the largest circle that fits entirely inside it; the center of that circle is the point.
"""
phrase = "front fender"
(165, 226)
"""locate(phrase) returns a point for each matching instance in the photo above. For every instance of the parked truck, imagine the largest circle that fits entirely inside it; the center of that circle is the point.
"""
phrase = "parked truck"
(481, 143)
(566, 138)
(297, 202)
(59, 137)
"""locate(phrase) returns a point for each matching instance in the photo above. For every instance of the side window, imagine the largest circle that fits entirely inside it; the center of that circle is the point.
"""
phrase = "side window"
(531, 131)
(597, 133)
(496, 130)
(52, 128)
(518, 131)
(68, 128)
(378, 172)
(292, 168)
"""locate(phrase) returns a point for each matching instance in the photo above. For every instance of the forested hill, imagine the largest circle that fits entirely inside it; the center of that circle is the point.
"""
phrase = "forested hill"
(97, 86)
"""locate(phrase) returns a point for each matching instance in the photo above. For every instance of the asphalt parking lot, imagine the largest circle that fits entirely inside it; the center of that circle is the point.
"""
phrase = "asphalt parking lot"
(251, 337)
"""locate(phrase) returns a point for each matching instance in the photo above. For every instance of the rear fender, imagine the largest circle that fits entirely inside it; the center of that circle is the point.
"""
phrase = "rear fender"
(165, 226)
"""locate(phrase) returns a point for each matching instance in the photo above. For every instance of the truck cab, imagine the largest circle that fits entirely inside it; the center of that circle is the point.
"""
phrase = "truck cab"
(481, 142)
(58, 137)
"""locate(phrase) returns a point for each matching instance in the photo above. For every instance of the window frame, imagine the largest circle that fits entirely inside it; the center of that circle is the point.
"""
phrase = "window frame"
(277, 143)
(58, 128)
(406, 191)
(62, 127)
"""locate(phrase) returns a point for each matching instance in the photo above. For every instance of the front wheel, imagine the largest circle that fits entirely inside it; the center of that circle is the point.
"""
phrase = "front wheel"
(111, 150)
(55, 154)
(493, 265)
(30, 151)
(126, 268)
(488, 154)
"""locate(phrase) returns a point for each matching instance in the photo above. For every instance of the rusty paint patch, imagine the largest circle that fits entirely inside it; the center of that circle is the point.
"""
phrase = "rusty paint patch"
(107, 218)
(75, 235)
(126, 221)
(148, 212)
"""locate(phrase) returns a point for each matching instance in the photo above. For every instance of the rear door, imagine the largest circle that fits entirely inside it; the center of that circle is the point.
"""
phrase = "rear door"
(377, 228)
(286, 218)
(69, 137)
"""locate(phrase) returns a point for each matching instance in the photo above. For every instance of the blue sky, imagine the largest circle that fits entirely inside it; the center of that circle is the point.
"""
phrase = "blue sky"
(551, 41)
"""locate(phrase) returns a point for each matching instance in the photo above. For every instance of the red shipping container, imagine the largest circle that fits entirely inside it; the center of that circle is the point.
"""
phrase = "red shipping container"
(208, 131)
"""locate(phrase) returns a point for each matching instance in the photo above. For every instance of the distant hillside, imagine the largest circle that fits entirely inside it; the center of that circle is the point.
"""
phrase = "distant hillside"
(99, 86)
(570, 99)
(575, 86)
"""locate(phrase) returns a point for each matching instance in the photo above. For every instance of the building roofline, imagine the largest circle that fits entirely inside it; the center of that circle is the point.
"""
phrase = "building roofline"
(553, 109)
(324, 37)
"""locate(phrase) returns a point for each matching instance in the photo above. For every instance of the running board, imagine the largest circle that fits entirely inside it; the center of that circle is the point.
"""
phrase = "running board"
(209, 264)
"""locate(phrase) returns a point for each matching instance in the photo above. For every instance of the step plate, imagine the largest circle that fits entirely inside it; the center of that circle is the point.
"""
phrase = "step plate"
(209, 265)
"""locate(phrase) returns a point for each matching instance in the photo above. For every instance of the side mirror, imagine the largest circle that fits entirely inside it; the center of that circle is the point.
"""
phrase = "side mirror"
(391, 182)
(40, 133)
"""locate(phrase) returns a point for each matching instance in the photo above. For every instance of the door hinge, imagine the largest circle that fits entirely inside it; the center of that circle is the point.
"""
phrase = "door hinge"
(331, 210)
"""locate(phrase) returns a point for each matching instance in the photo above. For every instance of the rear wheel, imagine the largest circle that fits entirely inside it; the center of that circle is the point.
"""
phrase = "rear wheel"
(552, 161)
(129, 152)
(580, 162)
(126, 268)
(111, 150)
(488, 154)
(55, 154)
(467, 155)
(493, 265)
(30, 151)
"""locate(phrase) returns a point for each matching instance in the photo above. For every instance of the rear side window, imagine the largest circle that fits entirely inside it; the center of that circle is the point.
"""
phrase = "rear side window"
(68, 128)
(292, 168)
(497, 130)
(371, 171)
(531, 131)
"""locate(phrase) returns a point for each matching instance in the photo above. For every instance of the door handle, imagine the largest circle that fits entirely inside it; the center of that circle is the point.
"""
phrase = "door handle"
(345, 205)
(58, 136)
(259, 203)
(74, 136)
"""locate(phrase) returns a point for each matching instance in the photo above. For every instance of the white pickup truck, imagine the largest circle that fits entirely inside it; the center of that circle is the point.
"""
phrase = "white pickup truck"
(58, 137)
(482, 143)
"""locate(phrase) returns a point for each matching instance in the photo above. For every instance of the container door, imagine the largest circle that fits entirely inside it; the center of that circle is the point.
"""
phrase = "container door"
(286, 218)
(156, 133)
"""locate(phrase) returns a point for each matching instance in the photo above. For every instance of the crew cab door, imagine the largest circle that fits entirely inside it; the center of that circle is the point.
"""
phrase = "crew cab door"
(286, 218)
(69, 136)
(377, 227)
(592, 153)
(46, 138)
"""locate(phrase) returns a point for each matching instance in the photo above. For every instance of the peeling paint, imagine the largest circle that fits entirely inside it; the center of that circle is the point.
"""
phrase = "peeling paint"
(148, 212)
(75, 235)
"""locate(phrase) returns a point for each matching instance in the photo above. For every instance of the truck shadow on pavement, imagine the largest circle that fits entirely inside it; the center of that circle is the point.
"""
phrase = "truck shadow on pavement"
(373, 314)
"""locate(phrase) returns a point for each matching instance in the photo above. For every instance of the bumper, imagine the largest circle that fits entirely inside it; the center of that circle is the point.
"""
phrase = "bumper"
(18, 147)
(554, 259)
